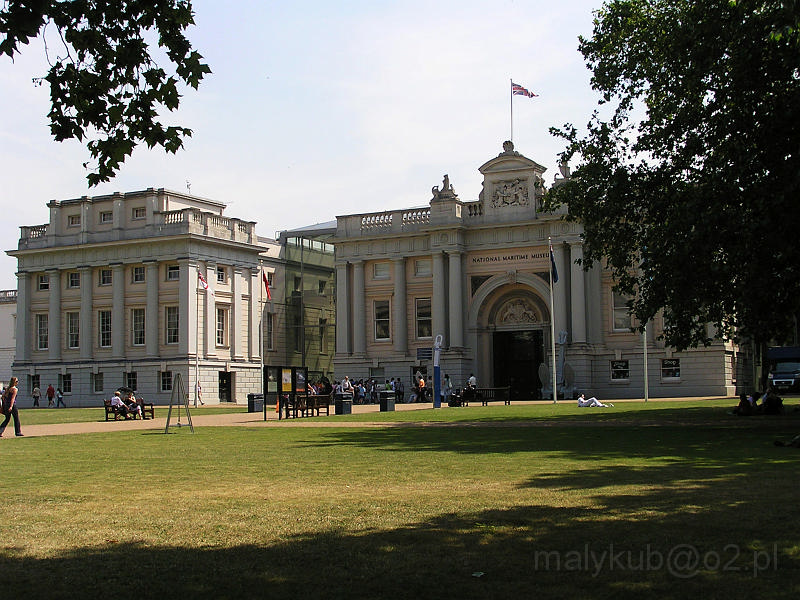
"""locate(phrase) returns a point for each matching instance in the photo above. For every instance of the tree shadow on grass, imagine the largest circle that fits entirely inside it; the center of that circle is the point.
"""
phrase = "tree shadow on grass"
(520, 552)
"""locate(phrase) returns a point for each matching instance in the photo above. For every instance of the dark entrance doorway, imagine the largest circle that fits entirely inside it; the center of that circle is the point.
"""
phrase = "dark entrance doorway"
(224, 386)
(517, 356)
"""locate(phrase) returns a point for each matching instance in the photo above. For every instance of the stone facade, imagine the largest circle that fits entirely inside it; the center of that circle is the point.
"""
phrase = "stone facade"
(477, 274)
(110, 294)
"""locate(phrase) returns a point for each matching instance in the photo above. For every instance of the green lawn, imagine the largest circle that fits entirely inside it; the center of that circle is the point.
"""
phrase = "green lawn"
(522, 502)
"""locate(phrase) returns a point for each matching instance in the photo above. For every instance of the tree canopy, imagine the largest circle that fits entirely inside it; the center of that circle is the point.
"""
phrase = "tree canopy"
(105, 86)
(687, 179)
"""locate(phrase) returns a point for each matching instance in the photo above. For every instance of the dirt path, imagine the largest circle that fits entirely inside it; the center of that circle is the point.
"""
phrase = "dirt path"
(245, 419)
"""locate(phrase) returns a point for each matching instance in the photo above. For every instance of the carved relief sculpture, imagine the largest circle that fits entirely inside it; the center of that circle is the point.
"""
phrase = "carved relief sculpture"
(510, 193)
(517, 311)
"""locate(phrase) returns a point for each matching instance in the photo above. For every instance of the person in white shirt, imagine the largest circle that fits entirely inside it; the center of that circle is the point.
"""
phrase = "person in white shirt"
(591, 402)
(347, 386)
(472, 381)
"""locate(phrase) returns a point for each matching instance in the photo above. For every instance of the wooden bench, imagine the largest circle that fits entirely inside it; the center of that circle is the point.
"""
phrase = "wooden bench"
(116, 412)
(317, 402)
(486, 395)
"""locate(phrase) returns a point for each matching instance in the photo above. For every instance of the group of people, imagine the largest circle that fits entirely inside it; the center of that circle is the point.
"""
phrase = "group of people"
(55, 397)
(768, 403)
(367, 391)
(128, 407)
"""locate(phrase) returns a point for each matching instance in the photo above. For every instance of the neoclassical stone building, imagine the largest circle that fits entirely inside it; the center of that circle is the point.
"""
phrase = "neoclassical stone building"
(109, 295)
(477, 273)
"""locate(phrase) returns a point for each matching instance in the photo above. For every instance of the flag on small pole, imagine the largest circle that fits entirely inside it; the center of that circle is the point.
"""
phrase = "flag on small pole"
(203, 281)
(518, 90)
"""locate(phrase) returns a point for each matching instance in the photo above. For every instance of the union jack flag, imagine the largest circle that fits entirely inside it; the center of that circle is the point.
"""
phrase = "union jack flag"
(518, 90)
(203, 281)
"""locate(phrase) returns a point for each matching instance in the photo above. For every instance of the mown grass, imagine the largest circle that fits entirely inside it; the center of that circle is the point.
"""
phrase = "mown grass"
(540, 504)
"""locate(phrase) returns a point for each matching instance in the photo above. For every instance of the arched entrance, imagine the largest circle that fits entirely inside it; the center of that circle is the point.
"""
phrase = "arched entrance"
(511, 332)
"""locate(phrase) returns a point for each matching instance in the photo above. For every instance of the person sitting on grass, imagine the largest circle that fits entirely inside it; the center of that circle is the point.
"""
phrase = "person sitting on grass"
(591, 402)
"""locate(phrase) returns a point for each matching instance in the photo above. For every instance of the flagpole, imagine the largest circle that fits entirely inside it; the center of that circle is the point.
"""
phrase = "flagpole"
(197, 336)
(261, 335)
(552, 324)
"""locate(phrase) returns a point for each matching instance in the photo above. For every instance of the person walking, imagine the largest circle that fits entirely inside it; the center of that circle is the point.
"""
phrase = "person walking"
(60, 398)
(51, 395)
(36, 394)
(9, 403)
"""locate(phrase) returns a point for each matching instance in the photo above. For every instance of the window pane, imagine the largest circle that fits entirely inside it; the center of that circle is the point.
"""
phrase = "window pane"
(382, 328)
(424, 321)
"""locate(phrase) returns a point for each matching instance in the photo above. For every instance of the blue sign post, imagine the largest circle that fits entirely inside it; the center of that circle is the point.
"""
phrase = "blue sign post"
(437, 381)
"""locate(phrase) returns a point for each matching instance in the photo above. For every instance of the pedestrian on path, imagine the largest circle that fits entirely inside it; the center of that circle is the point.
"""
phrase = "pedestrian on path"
(9, 404)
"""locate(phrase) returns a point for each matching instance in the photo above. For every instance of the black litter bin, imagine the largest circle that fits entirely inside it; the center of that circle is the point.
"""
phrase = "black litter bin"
(343, 404)
(387, 400)
(255, 403)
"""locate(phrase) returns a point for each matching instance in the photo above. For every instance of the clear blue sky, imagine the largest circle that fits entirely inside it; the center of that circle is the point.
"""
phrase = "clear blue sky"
(318, 109)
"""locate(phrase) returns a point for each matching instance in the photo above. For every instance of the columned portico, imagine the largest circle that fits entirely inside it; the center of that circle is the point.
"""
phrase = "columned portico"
(578, 294)
(400, 330)
(456, 298)
(359, 309)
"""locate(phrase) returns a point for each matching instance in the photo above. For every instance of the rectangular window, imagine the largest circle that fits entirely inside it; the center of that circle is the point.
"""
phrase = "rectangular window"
(670, 368)
(66, 382)
(422, 268)
(620, 369)
(106, 216)
(221, 274)
(44, 282)
(423, 318)
(74, 280)
(73, 330)
(623, 321)
(97, 383)
(104, 328)
(270, 330)
(137, 326)
(105, 277)
(298, 284)
(140, 212)
(166, 381)
(41, 332)
(74, 221)
(382, 331)
(222, 326)
(137, 274)
(321, 288)
(380, 270)
(173, 273)
(132, 380)
(171, 320)
(35, 381)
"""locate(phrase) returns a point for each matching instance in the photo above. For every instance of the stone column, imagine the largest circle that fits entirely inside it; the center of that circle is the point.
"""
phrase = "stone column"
(24, 318)
(439, 300)
(210, 321)
(256, 308)
(342, 310)
(85, 329)
(456, 301)
(237, 314)
(187, 309)
(118, 312)
(359, 309)
(152, 317)
(578, 294)
(399, 307)
(54, 315)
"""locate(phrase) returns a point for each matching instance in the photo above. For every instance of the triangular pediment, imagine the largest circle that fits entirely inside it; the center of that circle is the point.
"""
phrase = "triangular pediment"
(510, 161)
